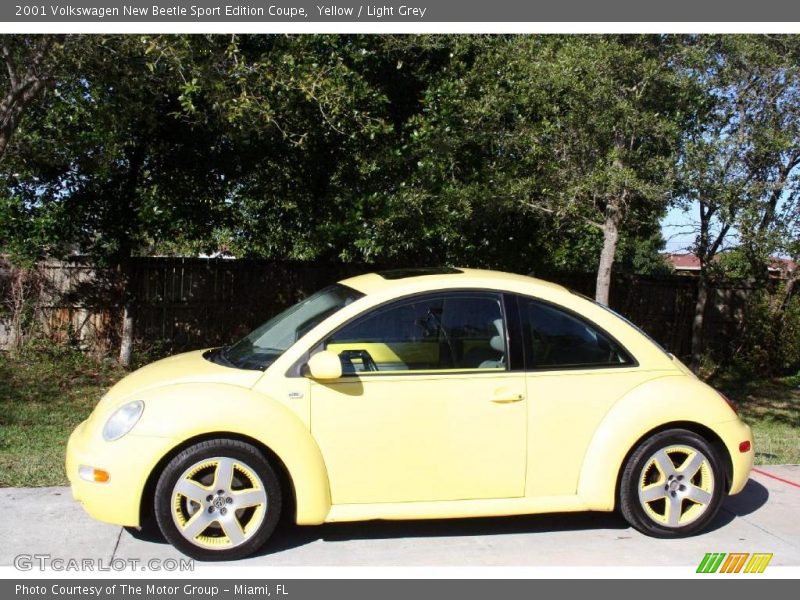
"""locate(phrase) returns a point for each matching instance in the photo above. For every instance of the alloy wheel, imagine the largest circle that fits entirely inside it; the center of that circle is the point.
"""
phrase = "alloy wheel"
(676, 485)
(219, 502)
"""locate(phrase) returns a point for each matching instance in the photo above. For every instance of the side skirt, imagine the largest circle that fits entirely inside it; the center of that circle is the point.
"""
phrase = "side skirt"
(455, 509)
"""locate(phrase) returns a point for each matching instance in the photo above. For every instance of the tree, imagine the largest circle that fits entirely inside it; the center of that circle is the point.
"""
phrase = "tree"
(740, 165)
(439, 189)
(557, 131)
(26, 76)
(619, 106)
(174, 141)
(33, 64)
(103, 161)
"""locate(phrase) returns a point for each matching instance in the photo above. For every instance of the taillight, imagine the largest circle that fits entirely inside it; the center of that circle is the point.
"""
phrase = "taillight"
(729, 401)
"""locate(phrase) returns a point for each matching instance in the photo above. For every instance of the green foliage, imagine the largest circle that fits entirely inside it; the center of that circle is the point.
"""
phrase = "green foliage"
(496, 151)
(617, 108)
(643, 255)
(182, 141)
(768, 342)
(734, 264)
(103, 160)
(740, 162)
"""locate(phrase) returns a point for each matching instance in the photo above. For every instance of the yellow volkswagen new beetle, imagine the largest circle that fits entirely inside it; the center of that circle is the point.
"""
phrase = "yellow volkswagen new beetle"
(408, 394)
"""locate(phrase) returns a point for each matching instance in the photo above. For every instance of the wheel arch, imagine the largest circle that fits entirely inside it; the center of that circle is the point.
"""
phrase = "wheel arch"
(146, 501)
(190, 413)
(705, 432)
(660, 404)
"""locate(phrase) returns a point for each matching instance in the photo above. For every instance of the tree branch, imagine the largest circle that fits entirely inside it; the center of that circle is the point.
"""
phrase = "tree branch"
(12, 75)
(551, 211)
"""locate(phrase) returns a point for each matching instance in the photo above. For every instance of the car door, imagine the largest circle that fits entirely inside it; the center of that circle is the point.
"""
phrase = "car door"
(575, 372)
(441, 417)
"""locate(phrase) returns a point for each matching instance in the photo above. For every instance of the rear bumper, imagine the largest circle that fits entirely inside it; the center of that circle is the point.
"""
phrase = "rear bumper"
(732, 434)
(129, 462)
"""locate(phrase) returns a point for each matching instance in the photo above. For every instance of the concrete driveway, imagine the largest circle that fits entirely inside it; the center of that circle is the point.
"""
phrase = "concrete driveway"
(763, 518)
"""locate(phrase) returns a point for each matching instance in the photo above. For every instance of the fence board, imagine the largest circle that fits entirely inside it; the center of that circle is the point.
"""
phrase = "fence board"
(184, 303)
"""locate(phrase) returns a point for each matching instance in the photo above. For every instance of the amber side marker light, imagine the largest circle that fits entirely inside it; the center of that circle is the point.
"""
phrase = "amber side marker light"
(91, 474)
(744, 446)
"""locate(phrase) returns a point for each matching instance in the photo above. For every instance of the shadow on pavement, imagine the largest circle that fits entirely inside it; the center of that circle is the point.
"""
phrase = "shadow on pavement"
(289, 536)
(148, 533)
(750, 499)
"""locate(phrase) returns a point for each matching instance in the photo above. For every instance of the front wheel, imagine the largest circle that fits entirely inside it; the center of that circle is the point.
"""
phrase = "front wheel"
(672, 485)
(218, 500)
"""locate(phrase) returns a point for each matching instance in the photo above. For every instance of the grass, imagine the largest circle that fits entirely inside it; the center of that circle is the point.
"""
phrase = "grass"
(44, 394)
(772, 408)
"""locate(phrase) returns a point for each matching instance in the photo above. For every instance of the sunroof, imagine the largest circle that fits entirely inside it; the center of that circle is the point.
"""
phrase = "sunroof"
(417, 272)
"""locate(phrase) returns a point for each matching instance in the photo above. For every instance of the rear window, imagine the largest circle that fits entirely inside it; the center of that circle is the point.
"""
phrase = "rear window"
(560, 339)
(628, 321)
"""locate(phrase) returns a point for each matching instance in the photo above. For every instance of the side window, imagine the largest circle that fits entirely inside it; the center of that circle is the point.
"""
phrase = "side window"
(460, 331)
(557, 339)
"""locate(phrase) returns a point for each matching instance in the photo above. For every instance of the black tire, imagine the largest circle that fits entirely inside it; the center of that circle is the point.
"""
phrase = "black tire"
(640, 470)
(242, 454)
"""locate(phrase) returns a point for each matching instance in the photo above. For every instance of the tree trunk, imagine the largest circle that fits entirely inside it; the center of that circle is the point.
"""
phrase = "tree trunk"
(697, 322)
(127, 279)
(12, 108)
(126, 342)
(24, 87)
(610, 239)
(126, 336)
(788, 292)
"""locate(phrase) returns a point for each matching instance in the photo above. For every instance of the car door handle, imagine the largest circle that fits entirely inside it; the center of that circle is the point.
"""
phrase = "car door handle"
(505, 397)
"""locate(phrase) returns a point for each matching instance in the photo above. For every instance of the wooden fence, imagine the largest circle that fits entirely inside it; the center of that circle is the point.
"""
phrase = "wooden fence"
(184, 303)
(180, 302)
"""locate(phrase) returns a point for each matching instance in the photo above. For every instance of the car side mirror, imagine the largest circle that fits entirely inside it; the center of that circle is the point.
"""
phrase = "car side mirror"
(324, 366)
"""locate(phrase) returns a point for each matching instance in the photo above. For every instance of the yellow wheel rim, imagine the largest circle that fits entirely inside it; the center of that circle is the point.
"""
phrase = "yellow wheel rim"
(676, 485)
(218, 503)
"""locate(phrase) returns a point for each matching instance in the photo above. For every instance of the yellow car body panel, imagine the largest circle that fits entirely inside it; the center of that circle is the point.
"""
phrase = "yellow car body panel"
(428, 444)
(562, 423)
(421, 438)
(189, 367)
(129, 463)
(675, 399)
(218, 410)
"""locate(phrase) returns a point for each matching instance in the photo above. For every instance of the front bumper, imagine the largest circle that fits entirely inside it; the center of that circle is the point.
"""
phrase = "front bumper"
(129, 462)
(732, 434)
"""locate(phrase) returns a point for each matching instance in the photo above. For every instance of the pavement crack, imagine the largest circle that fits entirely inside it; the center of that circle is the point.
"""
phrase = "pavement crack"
(757, 526)
(116, 545)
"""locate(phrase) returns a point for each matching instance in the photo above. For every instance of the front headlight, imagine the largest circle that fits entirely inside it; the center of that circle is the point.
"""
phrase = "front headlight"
(122, 420)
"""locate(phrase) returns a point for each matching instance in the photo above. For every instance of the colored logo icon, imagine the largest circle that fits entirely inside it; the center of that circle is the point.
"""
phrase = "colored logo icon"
(734, 562)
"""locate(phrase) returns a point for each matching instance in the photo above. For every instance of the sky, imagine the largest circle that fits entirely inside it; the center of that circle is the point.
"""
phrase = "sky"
(678, 228)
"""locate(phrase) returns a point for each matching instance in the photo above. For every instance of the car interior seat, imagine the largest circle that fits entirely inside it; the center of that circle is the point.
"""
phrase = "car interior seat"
(498, 344)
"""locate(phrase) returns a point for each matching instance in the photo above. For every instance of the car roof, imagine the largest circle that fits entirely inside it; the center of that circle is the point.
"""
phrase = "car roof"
(411, 280)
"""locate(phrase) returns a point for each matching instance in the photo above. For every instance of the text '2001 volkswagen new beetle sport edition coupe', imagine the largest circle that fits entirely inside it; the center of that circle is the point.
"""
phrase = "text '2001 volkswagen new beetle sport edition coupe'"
(408, 394)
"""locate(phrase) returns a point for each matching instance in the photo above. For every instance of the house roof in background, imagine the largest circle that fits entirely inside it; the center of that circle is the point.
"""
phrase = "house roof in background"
(690, 262)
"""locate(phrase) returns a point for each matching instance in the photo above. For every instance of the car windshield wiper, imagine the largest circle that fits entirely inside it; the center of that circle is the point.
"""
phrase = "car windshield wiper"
(220, 356)
(262, 350)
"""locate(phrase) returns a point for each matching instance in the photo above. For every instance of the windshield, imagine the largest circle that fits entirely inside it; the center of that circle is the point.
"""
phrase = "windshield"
(261, 347)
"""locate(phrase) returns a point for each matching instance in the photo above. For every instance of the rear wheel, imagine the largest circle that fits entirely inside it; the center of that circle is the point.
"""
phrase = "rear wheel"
(672, 485)
(218, 500)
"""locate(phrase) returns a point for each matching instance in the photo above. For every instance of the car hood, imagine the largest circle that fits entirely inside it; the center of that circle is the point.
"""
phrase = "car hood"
(190, 367)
